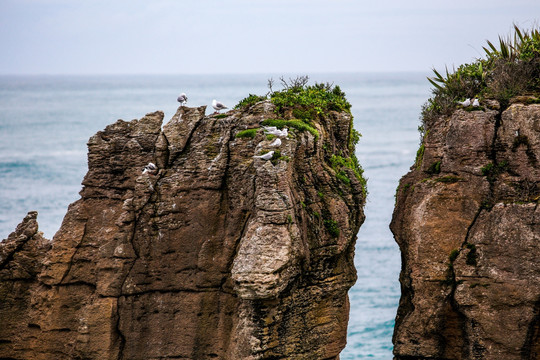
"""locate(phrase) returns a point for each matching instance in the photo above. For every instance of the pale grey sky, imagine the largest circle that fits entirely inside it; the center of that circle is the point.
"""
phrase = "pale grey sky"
(250, 36)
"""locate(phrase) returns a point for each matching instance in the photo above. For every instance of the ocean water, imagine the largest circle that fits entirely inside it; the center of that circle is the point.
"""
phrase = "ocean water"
(45, 122)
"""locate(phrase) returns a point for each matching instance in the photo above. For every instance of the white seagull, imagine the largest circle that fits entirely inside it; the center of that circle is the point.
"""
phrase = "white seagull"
(276, 143)
(465, 103)
(151, 168)
(182, 99)
(272, 130)
(266, 156)
(476, 103)
(218, 105)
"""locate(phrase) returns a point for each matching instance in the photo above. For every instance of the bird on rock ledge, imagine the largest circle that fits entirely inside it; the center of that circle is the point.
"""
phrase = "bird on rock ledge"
(218, 106)
(266, 156)
(182, 99)
(151, 169)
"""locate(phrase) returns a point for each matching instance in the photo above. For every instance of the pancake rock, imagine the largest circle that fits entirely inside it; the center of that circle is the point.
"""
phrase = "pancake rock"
(467, 222)
(215, 255)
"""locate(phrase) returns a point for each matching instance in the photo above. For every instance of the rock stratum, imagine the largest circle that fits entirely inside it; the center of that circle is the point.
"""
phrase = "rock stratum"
(219, 255)
(467, 222)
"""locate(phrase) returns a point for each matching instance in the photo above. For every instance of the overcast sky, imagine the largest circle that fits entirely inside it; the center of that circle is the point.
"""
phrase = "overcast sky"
(250, 36)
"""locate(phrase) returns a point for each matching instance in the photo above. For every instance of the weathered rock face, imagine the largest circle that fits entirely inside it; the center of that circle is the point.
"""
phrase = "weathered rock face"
(468, 225)
(218, 255)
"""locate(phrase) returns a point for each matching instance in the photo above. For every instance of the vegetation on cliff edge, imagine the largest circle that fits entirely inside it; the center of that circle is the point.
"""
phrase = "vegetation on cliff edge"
(299, 106)
(511, 68)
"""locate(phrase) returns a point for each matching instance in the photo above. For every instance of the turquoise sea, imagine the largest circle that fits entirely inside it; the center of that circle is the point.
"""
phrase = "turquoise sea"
(45, 122)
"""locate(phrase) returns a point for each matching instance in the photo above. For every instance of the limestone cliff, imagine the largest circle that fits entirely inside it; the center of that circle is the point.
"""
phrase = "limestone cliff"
(467, 222)
(216, 255)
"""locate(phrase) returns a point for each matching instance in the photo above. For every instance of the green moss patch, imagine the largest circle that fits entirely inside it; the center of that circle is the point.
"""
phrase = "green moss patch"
(248, 133)
(338, 163)
(277, 156)
(434, 168)
(332, 227)
(419, 156)
(453, 255)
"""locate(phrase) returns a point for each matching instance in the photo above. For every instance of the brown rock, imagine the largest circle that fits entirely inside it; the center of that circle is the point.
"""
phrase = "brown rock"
(217, 255)
(469, 238)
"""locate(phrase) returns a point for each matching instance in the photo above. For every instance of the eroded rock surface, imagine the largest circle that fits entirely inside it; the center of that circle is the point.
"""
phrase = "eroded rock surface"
(468, 225)
(218, 255)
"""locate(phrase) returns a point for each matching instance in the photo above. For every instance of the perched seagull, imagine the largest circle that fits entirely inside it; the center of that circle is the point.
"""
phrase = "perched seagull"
(284, 132)
(274, 132)
(266, 156)
(182, 99)
(465, 103)
(218, 105)
(276, 143)
(476, 103)
(151, 168)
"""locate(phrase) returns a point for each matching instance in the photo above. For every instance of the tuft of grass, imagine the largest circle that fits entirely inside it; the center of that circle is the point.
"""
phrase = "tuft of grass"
(277, 156)
(492, 171)
(248, 133)
(419, 156)
(250, 100)
(220, 116)
(434, 168)
(339, 162)
(532, 100)
(332, 227)
(343, 177)
(308, 101)
(354, 138)
(453, 255)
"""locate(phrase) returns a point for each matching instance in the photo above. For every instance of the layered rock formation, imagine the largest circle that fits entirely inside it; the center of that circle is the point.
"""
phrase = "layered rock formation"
(217, 255)
(467, 222)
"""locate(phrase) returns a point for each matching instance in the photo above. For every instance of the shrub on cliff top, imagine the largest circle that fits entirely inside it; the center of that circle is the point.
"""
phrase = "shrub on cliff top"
(308, 101)
(249, 101)
(512, 68)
